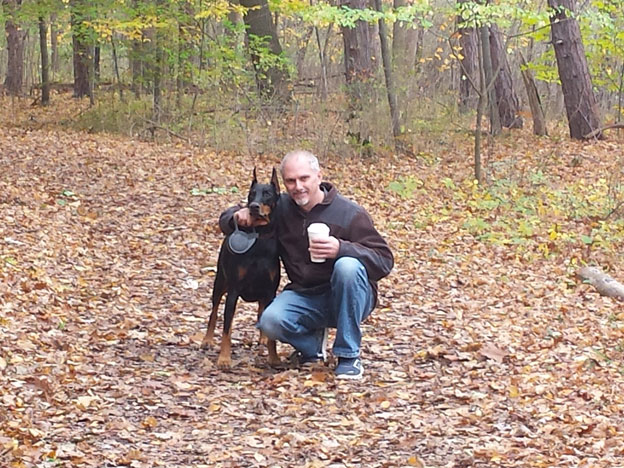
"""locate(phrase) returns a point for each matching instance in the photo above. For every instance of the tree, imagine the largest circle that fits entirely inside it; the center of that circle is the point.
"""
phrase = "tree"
(388, 73)
(406, 42)
(468, 61)
(537, 112)
(358, 48)
(507, 100)
(578, 95)
(82, 55)
(266, 51)
(16, 37)
(45, 76)
(490, 75)
(357, 38)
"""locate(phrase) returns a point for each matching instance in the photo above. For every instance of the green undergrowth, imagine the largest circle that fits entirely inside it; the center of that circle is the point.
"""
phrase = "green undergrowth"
(538, 217)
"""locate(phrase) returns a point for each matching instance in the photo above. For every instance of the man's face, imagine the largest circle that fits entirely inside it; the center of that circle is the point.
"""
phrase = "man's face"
(302, 182)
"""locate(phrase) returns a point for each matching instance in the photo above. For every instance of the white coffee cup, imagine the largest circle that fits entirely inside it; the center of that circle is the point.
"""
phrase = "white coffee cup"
(318, 231)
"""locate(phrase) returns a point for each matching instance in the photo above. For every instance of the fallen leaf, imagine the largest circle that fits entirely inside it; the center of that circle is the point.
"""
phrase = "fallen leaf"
(491, 351)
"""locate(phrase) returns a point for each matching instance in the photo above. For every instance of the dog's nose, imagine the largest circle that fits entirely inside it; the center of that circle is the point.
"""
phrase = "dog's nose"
(254, 207)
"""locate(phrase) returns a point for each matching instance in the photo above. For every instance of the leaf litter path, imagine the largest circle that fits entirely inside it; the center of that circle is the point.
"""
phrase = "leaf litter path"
(474, 358)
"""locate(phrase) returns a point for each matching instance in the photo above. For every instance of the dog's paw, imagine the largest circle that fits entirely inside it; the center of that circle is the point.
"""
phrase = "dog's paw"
(224, 362)
(207, 342)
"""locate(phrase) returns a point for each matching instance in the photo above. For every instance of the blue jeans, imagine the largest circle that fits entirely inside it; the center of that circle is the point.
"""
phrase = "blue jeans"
(300, 319)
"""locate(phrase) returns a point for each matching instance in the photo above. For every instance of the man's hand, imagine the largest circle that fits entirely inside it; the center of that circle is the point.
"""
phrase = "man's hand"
(324, 248)
(243, 218)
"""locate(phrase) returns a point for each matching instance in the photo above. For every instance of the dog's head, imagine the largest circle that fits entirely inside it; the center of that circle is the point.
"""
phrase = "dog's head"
(262, 198)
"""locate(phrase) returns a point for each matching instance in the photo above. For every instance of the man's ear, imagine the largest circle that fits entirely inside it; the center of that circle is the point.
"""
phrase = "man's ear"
(275, 181)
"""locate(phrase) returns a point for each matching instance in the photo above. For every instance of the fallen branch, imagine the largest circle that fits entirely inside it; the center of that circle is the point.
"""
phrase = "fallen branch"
(155, 126)
(598, 131)
(606, 285)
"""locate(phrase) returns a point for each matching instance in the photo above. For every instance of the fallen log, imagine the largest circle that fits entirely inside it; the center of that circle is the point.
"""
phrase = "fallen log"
(604, 284)
(599, 131)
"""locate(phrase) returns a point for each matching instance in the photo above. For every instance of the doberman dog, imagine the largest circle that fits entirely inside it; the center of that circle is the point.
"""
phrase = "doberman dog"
(252, 274)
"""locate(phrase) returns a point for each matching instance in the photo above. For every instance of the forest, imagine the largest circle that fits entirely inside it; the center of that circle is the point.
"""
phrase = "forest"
(485, 139)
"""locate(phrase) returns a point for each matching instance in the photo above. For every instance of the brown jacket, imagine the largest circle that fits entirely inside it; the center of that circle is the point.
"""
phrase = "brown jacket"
(348, 222)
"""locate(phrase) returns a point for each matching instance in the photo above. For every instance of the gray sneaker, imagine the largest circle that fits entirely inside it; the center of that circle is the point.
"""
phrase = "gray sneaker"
(349, 368)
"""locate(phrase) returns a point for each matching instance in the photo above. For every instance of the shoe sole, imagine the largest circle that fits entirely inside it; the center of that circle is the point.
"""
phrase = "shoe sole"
(350, 377)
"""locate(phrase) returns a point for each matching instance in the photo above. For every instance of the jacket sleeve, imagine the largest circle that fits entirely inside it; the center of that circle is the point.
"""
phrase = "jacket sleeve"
(226, 222)
(367, 245)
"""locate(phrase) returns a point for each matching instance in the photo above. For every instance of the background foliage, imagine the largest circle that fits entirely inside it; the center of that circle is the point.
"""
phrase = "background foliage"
(209, 82)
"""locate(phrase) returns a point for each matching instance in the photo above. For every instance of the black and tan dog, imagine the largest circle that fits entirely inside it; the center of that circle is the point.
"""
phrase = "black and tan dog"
(248, 267)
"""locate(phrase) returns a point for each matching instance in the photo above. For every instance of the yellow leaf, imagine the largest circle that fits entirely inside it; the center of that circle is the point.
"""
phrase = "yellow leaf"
(415, 461)
(150, 422)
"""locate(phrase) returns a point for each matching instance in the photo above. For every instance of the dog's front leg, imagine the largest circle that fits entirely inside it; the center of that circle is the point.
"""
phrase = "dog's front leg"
(225, 355)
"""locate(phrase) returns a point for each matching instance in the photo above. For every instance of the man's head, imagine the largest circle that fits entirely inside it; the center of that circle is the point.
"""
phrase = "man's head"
(302, 177)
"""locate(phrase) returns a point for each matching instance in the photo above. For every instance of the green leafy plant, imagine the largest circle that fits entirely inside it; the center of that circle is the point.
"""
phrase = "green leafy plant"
(405, 186)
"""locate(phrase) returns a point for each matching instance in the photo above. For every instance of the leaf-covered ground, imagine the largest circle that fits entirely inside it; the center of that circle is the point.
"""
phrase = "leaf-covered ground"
(485, 350)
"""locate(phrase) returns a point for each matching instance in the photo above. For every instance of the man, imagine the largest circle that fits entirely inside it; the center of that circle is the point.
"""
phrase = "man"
(339, 293)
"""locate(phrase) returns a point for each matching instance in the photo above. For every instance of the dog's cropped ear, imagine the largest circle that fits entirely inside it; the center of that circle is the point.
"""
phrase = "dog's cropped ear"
(275, 181)
(255, 179)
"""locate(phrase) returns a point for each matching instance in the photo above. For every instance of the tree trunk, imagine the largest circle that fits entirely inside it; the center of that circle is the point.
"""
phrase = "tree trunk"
(358, 47)
(405, 40)
(359, 71)
(186, 31)
(322, 60)
(490, 76)
(272, 80)
(468, 64)
(300, 55)
(96, 62)
(15, 37)
(579, 99)
(537, 112)
(481, 102)
(81, 51)
(45, 77)
(116, 66)
(54, 56)
(156, 73)
(387, 65)
(136, 67)
(137, 61)
(507, 100)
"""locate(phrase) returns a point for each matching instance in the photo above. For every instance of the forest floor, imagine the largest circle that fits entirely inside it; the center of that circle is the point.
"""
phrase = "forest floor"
(485, 350)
